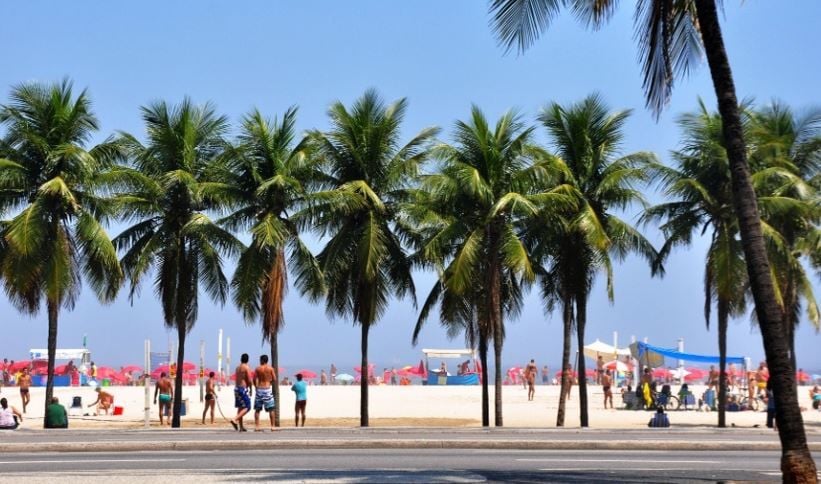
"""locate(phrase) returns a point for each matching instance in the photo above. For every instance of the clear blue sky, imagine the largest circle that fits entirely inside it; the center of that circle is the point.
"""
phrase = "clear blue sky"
(442, 56)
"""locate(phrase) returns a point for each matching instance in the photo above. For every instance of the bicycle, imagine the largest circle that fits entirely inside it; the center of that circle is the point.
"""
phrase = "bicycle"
(666, 400)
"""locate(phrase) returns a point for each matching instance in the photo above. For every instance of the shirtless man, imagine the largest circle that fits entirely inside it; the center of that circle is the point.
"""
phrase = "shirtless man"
(242, 392)
(24, 382)
(264, 380)
(599, 369)
(165, 390)
(530, 375)
(712, 380)
(103, 402)
(606, 382)
(210, 398)
(567, 381)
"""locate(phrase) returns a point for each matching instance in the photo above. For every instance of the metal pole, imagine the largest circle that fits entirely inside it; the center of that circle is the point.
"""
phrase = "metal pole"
(219, 357)
(147, 383)
(202, 370)
(228, 358)
(681, 362)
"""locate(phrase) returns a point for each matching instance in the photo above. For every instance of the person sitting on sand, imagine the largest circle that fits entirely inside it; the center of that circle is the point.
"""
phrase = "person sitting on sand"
(56, 417)
(10, 417)
(815, 395)
(103, 402)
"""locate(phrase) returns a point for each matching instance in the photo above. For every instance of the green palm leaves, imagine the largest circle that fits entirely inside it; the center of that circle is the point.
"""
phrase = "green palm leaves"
(53, 185)
(171, 186)
(576, 243)
(368, 172)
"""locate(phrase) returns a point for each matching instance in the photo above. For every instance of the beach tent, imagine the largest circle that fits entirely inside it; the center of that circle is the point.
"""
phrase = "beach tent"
(466, 379)
(606, 351)
(617, 365)
(645, 350)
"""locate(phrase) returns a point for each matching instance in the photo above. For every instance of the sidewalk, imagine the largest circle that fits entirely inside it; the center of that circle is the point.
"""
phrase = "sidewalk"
(209, 439)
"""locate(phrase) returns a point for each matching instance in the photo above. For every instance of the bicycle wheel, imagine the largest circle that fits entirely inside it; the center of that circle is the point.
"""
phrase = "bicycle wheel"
(672, 403)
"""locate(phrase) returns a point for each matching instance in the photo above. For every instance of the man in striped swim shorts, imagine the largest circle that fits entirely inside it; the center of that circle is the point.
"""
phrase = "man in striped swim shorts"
(264, 379)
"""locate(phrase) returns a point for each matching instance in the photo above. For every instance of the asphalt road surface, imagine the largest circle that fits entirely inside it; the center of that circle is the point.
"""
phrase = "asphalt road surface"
(369, 466)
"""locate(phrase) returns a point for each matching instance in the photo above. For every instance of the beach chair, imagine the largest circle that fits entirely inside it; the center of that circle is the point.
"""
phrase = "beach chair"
(76, 406)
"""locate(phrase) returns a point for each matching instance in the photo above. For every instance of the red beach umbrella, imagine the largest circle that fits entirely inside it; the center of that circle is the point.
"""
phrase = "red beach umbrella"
(307, 374)
(132, 368)
(661, 373)
(802, 376)
(20, 365)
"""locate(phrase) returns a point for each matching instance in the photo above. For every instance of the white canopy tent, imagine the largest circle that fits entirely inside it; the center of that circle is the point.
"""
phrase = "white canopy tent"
(606, 351)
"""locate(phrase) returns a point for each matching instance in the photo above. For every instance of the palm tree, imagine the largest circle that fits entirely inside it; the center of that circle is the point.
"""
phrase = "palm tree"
(486, 183)
(587, 138)
(786, 153)
(168, 190)
(53, 182)
(701, 193)
(364, 262)
(266, 179)
(672, 36)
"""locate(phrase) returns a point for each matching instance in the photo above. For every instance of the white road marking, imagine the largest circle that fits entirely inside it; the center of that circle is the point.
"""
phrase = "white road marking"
(63, 461)
(653, 461)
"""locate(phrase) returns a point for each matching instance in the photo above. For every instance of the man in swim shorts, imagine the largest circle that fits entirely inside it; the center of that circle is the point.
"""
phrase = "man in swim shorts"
(165, 390)
(264, 380)
(607, 382)
(210, 398)
(242, 395)
(24, 383)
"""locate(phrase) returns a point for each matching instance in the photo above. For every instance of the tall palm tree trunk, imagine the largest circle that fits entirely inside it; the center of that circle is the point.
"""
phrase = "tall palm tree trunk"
(788, 316)
(363, 381)
(275, 366)
(581, 320)
(796, 462)
(567, 325)
(485, 393)
(494, 287)
(181, 333)
(53, 313)
(723, 316)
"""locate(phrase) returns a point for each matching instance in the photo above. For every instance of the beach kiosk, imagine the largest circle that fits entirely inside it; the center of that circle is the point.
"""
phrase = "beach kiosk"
(81, 358)
(437, 377)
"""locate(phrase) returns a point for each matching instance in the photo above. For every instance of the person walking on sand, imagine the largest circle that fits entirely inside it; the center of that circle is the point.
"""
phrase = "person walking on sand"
(530, 376)
(545, 375)
(165, 390)
(607, 382)
(301, 390)
(712, 379)
(24, 382)
(264, 379)
(210, 397)
(242, 395)
(323, 378)
(333, 374)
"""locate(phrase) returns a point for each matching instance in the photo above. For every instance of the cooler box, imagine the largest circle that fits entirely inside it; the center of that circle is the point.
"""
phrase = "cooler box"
(106, 382)
(117, 410)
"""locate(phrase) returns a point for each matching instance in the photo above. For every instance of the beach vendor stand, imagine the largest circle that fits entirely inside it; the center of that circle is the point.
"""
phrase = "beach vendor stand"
(436, 377)
(83, 356)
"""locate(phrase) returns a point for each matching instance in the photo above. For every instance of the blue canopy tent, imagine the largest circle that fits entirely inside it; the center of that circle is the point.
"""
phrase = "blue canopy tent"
(679, 355)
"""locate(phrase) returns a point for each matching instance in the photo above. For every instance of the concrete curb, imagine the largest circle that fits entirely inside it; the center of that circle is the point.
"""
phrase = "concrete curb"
(511, 444)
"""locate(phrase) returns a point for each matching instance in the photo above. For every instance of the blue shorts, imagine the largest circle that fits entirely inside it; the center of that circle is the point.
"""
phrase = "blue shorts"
(241, 398)
(264, 399)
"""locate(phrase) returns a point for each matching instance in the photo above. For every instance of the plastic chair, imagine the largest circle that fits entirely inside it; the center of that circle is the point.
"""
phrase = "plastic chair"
(76, 406)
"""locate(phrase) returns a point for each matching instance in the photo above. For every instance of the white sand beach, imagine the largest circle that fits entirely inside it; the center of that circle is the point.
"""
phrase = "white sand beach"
(398, 406)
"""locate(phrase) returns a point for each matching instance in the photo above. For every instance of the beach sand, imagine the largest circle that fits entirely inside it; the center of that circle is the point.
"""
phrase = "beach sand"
(398, 406)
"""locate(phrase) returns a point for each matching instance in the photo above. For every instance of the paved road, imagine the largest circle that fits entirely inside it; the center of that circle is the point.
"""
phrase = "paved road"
(446, 465)
(29, 435)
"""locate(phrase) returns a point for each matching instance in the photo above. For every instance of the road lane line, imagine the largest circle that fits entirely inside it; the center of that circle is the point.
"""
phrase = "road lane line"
(645, 461)
(80, 461)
